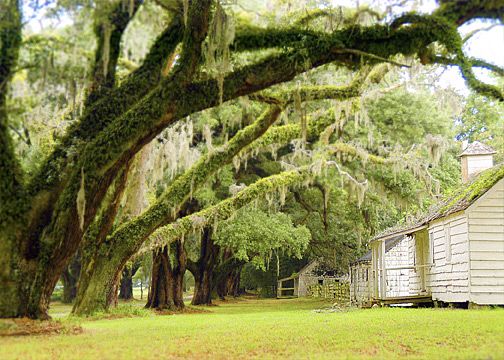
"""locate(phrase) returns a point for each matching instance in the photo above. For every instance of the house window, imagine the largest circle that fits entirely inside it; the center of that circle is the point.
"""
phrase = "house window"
(431, 244)
(448, 250)
(367, 275)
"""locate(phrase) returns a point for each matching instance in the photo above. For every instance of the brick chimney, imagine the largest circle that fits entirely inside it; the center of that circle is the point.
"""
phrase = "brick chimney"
(475, 158)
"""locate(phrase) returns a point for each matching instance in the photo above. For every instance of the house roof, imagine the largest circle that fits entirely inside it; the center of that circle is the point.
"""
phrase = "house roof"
(308, 266)
(389, 244)
(459, 200)
(477, 148)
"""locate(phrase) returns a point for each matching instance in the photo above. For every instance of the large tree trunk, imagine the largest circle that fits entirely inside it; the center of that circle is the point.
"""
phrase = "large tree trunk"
(222, 284)
(233, 282)
(227, 275)
(126, 284)
(203, 269)
(97, 285)
(70, 278)
(167, 284)
(13, 266)
(49, 230)
(203, 287)
(235, 287)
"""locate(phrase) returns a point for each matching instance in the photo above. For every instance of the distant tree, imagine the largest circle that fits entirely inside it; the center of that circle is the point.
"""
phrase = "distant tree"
(483, 120)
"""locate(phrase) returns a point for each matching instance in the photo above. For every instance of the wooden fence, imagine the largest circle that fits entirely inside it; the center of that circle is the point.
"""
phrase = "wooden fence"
(339, 292)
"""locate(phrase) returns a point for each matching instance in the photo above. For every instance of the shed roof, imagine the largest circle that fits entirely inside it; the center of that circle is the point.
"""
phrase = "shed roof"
(477, 148)
(389, 244)
(459, 200)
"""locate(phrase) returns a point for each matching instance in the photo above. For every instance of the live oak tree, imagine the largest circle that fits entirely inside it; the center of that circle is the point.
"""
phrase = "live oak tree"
(44, 216)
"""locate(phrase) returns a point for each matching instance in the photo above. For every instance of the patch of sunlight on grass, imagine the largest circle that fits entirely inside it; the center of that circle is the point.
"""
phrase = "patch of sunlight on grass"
(270, 328)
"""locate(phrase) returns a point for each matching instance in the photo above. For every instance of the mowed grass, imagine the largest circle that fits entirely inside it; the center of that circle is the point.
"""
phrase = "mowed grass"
(266, 329)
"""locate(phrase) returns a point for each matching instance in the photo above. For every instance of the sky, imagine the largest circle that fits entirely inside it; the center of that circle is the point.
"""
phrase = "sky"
(486, 45)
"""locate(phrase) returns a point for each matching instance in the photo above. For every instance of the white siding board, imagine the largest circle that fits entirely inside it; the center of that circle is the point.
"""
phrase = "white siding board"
(486, 265)
(487, 281)
(476, 215)
(493, 256)
(486, 244)
(487, 236)
(484, 229)
(486, 221)
(487, 298)
(490, 209)
(487, 273)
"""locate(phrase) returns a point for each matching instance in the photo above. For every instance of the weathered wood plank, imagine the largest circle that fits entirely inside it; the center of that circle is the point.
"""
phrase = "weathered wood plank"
(475, 221)
(486, 265)
(485, 229)
(492, 256)
(487, 245)
(486, 236)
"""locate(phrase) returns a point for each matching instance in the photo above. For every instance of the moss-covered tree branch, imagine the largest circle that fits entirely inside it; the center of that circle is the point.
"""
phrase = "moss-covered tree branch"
(462, 11)
(109, 30)
(226, 208)
(196, 29)
(102, 112)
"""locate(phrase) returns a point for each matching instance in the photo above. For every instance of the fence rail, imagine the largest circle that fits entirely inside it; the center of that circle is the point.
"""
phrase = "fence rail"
(340, 292)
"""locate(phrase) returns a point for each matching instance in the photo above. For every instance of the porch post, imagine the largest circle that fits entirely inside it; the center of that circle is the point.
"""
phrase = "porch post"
(383, 274)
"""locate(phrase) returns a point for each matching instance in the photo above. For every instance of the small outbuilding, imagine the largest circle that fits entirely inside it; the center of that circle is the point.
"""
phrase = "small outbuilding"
(299, 284)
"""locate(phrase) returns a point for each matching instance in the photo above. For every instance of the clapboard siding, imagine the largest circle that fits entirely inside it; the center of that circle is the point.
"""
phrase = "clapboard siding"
(491, 298)
(486, 245)
(486, 265)
(486, 281)
(486, 221)
(360, 289)
(398, 283)
(448, 279)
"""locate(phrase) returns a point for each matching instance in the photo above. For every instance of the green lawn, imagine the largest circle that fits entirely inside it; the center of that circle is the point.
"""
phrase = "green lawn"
(275, 329)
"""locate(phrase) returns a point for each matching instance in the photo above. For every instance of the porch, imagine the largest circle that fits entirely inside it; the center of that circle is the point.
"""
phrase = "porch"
(400, 264)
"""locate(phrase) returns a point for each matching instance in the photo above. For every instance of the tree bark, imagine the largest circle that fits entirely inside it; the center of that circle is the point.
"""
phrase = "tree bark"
(16, 265)
(203, 269)
(227, 275)
(167, 284)
(126, 283)
(70, 278)
(109, 34)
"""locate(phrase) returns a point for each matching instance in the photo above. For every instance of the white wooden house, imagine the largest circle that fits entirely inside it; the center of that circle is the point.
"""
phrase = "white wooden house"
(456, 252)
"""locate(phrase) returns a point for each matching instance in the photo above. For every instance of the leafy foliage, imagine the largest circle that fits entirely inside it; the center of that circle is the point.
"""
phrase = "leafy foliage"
(252, 235)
